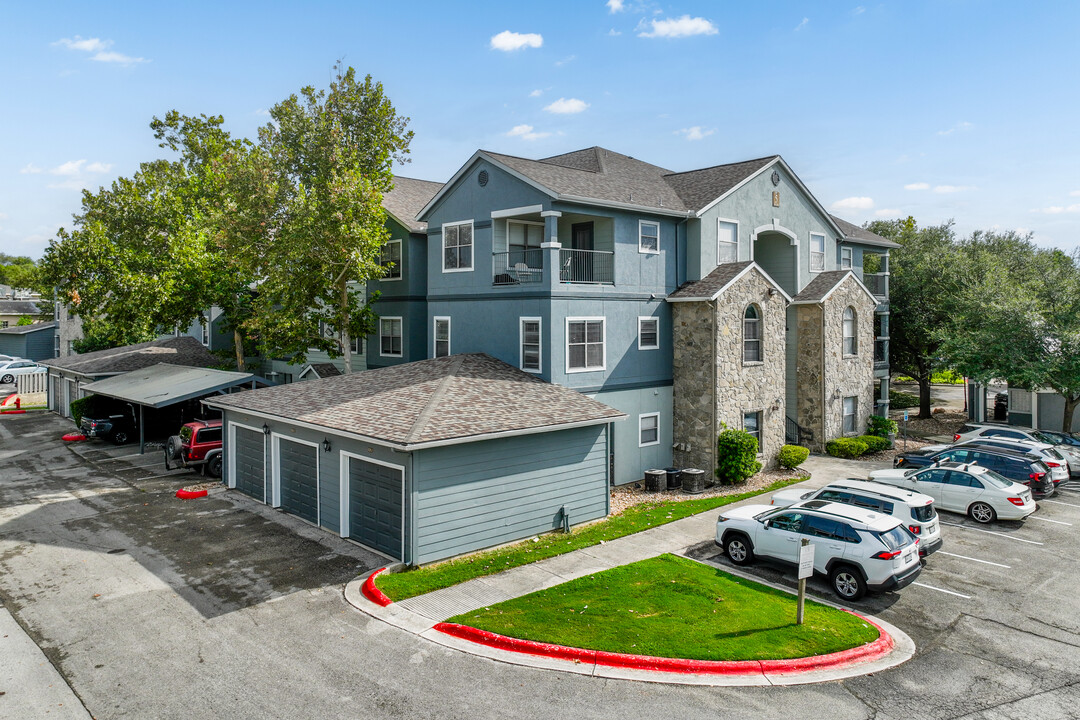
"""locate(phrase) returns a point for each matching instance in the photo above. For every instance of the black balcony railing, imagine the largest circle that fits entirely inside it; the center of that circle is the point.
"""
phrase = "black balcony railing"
(587, 266)
(517, 267)
(877, 283)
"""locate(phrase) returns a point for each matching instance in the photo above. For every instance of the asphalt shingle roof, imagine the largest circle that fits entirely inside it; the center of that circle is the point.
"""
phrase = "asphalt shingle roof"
(461, 397)
(184, 350)
(407, 198)
(698, 188)
(23, 329)
(820, 286)
(324, 370)
(709, 285)
(19, 307)
(861, 234)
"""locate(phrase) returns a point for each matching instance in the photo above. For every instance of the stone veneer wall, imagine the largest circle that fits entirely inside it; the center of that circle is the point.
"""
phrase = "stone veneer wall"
(852, 375)
(712, 384)
(808, 377)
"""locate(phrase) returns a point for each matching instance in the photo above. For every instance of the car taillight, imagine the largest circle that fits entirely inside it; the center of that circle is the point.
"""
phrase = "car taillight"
(915, 529)
(886, 555)
(1036, 477)
(1017, 501)
(956, 438)
(1052, 464)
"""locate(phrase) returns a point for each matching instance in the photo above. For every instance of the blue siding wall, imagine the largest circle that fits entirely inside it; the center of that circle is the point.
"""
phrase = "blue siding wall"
(35, 345)
(482, 494)
(632, 460)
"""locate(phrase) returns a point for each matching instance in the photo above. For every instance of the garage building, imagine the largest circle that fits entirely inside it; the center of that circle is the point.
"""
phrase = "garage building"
(426, 460)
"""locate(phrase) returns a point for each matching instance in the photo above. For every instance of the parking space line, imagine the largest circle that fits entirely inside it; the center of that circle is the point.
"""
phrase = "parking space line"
(965, 557)
(948, 592)
(991, 532)
(1056, 522)
(1058, 502)
(155, 477)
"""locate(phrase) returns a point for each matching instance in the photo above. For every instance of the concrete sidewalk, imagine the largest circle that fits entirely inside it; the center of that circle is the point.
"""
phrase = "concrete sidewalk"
(30, 687)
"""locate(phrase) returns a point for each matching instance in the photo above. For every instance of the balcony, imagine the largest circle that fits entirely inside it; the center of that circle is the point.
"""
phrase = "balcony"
(881, 353)
(517, 267)
(590, 267)
(878, 284)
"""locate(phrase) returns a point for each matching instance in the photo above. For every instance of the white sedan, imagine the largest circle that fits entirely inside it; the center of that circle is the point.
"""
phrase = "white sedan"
(11, 368)
(969, 489)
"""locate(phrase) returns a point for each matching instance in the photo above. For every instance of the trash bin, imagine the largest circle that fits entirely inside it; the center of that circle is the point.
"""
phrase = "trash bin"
(674, 478)
(655, 480)
(693, 481)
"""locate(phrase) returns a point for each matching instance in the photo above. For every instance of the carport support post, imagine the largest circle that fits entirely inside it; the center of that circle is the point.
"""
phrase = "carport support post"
(142, 433)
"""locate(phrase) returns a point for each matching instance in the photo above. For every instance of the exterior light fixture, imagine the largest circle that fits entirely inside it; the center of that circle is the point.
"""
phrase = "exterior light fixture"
(266, 429)
(326, 445)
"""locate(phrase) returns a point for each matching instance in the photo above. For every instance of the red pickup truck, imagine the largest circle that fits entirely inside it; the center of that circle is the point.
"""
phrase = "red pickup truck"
(197, 445)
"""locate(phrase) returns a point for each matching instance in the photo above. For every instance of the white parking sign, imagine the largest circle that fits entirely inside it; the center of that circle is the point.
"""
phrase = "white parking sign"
(806, 561)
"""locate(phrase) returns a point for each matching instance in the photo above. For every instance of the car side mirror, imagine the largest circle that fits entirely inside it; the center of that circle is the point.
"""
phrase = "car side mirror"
(766, 524)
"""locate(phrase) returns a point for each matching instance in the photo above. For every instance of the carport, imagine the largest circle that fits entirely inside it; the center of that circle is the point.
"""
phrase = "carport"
(164, 385)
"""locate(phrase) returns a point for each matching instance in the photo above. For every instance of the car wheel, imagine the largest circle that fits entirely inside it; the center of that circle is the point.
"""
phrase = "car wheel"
(7, 379)
(738, 549)
(214, 466)
(981, 512)
(847, 583)
(120, 437)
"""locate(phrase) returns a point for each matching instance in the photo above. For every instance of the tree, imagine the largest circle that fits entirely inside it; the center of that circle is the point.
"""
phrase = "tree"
(19, 272)
(922, 294)
(332, 153)
(24, 320)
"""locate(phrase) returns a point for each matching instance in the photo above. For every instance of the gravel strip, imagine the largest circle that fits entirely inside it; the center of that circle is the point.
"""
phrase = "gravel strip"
(624, 496)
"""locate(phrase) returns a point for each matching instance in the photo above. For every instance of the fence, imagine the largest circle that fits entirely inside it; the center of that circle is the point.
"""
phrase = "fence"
(31, 383)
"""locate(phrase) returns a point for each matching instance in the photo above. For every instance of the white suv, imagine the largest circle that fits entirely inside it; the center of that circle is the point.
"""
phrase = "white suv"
(913, 509)
(857, 549)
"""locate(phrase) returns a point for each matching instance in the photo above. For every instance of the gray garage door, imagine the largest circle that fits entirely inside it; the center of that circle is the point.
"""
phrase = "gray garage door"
(298, 468)
(55, 399)
(375, 506)
(250, 472)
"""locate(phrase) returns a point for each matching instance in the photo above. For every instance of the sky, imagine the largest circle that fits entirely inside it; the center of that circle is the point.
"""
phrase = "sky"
(944, 110)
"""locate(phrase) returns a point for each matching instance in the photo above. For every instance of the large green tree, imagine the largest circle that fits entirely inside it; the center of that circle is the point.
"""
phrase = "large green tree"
(923, 289)
(19, 272)
(332, 153)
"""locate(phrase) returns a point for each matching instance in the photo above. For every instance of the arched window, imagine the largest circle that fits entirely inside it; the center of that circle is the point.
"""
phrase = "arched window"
(751, 334)
(851, 326)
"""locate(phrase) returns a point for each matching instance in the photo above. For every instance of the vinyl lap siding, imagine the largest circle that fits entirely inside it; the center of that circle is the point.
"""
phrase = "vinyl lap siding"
(478, 495)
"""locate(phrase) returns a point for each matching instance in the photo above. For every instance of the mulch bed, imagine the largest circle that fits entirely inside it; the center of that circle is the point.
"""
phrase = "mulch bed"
(625, 496)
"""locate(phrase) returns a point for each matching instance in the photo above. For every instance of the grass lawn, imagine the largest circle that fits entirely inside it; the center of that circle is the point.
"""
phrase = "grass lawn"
(673, 607)
(417, 581)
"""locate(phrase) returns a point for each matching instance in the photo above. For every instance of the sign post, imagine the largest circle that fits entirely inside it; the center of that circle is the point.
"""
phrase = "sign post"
(806, 569)
(905, 431)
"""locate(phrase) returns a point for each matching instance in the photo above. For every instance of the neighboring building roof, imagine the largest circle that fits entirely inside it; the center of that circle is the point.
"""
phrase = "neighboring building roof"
(165, 384)
(821, 287)
(699, 188)
(184, 350)
(449, 400)
(320, 370)
(862, 235)
(724, 276)
(19, 307)
(24, 329)
(407, 198)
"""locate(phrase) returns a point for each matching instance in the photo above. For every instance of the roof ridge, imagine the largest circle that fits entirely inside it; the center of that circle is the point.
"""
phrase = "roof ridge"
(720, 165)
(417, 430)
(406, 177)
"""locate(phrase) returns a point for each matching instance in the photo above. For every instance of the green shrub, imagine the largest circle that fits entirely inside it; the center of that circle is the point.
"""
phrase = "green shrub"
(792, 456)
(880, 426)
(899, 400)
(849, 448)
(736, 452)
(874, 443)
(83, 406)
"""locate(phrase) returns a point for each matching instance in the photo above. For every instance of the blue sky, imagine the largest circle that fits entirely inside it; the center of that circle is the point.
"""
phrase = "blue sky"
(946, 109)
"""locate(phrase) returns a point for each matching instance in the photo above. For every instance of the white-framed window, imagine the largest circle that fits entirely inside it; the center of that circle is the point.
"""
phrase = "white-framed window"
(851, 409)
(851, 327)
(56, 346)
(522, 235)
(390, 258)
(727, 241)
(206, 332)
(457, 243)
(817, 252)
(390, 337)
(751, 422)
(442, 337)
(357, 345)
(529, 333)
(648, 333)
(585, 344)
(752, 335)
(648, 429)
(845, 258)
(648, 236)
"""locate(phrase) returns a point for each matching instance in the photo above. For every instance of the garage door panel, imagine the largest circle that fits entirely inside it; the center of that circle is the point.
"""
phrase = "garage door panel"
(298, 474)
(375, 506)
(250, 464)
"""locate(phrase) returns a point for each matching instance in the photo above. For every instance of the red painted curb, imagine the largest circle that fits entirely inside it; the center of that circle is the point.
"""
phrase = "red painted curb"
(373, 593)
(12, 412)
(73, 437)
(5, 400)
(871, 651)
(190, 494)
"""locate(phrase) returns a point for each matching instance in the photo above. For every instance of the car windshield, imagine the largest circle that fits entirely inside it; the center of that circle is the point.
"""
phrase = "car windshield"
(909, 473)
(894, 539)
(995, 479)
(1051, 452)
(924, 513)
(1046, 437)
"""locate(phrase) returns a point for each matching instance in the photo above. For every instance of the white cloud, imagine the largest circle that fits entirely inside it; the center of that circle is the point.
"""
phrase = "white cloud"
(525, 132)
(71, 183)
(509, 41)
(565, 60)
(100, 50)
(695, 133)
(567, 106)
(98, 167)
(31, 169)
(917, 186)
(958, 127)
(71, 167)
(1057, 209)
(119, 58)
(854, 203)
(801, 25)
(859, 10)
(947, 189)
(614, 33)
(615, 5)
(536, 93)
(888, 212)
(684, 26)
(3, 216)
(263, 111)
(1075, 193)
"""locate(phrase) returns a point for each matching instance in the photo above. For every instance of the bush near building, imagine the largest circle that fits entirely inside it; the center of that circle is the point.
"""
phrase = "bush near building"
(900, 400)
(792, 456)
(736, 452)
(849, 448)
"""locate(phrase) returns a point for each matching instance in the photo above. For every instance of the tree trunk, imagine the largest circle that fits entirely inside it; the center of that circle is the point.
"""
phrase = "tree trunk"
(924, 396)
(1071, 402)
(238, 344)
(346, 341)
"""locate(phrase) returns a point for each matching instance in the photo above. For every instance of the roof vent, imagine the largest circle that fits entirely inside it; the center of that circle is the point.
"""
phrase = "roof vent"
(482, 178)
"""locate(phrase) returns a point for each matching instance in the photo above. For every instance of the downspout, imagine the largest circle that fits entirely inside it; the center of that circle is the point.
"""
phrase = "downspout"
(682, 224)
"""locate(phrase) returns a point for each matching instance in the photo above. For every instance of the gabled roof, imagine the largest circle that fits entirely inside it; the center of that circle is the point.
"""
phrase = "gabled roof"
(184, 350)
(448, 400)
(862, 235)
(25, 329)
(715, 283)
(320, 370)
(699, 188)
(821, 287)
(19, 307)
(407, 198)
(165, 384)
